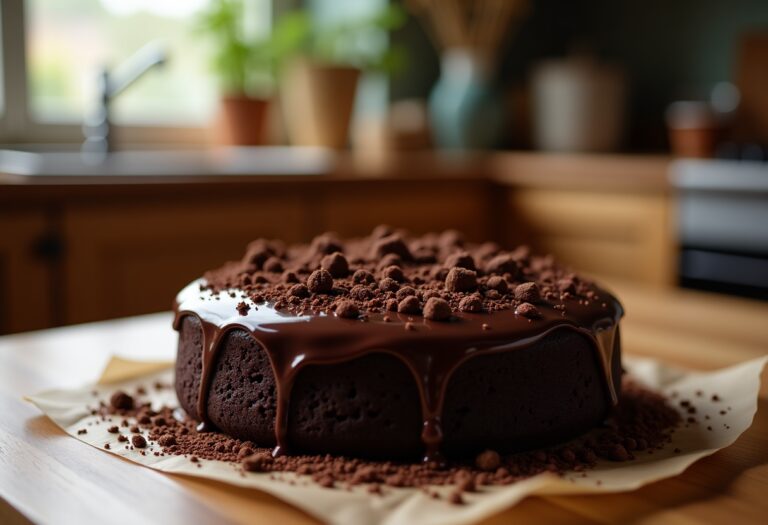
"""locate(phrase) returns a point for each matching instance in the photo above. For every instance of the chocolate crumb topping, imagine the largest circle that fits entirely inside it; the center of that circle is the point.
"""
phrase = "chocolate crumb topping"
(527, 292)
(392, 244)
(121, 400)
(387, 284)
(335, 264)
(460, 259)
(315, 276)
(290, 277)
(320, 281)
(437, 309)
(461, 280)
(405, 291)
(409, 305)
(502, 264)
(528, 310)
(243, 308)
(497, 283)
(393, 272)
(273, 265)
(471, 304)
(488, 460)
(363, 277)
(347, 310)
(299, 290)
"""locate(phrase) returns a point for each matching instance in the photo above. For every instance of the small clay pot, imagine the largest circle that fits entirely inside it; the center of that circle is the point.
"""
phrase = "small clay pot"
(242, 121)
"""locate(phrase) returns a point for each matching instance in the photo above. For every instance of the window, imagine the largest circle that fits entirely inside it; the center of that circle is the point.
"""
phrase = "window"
(69, 42)
(52, 52)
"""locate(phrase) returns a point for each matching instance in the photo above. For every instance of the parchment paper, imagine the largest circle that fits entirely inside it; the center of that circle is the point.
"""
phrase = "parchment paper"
(737, 388)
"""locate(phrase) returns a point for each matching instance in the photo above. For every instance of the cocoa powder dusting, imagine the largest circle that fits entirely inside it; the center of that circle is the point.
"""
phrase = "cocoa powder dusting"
(642, 422)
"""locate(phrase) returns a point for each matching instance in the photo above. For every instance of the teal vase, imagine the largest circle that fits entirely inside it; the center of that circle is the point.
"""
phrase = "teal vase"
(466, 111)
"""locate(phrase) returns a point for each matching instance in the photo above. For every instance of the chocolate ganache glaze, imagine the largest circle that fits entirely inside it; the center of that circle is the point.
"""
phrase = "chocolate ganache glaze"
(432, 302)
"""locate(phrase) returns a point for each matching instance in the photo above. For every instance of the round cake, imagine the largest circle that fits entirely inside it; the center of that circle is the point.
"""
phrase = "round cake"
(396, 347)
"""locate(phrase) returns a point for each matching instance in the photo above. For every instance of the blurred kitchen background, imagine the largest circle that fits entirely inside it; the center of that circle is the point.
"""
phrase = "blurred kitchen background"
(144, 141)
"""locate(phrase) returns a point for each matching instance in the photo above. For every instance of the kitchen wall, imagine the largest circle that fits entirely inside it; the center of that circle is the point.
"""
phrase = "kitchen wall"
(669, 49)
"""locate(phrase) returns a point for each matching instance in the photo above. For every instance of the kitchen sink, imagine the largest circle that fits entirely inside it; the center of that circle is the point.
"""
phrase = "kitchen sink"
(239, 161)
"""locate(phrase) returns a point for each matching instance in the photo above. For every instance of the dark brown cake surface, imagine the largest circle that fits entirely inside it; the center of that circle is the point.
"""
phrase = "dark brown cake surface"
(394, 347)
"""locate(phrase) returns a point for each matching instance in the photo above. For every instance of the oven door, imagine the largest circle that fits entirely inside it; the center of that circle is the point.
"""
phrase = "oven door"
(722, 212)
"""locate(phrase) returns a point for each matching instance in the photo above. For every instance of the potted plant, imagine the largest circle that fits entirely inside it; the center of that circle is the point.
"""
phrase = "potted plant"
(320, 68)
(243, 63)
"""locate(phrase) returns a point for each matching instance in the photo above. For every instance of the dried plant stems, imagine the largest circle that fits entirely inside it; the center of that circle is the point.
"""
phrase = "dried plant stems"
(479, 25)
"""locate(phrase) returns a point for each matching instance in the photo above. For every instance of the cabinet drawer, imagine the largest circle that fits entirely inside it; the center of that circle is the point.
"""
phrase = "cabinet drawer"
(610, 235)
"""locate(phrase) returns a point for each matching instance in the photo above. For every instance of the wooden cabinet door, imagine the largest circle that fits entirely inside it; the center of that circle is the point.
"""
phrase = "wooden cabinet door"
(27, 288)
(132, 258)
(417, 206)
(611, 235)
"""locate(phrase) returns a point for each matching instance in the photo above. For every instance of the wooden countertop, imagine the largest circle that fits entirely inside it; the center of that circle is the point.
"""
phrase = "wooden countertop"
(590, 171)
(46, 476)
(530, 169)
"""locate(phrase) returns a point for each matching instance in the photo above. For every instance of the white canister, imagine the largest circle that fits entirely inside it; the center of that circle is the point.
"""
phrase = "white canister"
(578, 105)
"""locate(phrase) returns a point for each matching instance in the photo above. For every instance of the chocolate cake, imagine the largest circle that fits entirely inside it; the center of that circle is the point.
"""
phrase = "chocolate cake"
(396, 347)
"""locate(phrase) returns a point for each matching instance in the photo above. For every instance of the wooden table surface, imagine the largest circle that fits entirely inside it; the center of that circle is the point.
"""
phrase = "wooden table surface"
(48, 477)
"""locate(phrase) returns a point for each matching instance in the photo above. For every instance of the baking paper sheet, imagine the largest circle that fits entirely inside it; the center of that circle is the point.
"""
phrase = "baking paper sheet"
(736, 386)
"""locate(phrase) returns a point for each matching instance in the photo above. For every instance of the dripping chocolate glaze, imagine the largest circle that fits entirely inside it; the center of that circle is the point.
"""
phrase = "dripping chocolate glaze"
(431, 351)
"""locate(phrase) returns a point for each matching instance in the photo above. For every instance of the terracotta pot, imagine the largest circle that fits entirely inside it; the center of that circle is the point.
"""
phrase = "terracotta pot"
(317, 102)
(693, 129)
(692, 143)
(242, 121)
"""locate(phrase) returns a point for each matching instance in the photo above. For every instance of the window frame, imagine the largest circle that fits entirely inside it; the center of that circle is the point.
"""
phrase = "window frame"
(17, 126)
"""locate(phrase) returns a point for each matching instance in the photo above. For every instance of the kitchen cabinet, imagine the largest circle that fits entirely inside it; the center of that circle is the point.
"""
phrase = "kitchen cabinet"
(420, 207)
(125, 257)
(27, 275)
(609, 216)
(128, 258)
(612, 235)
(79, 250)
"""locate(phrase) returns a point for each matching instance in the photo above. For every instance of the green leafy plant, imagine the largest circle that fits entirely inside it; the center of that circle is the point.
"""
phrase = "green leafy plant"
(357, 43)
(249, 65)
(242, 61)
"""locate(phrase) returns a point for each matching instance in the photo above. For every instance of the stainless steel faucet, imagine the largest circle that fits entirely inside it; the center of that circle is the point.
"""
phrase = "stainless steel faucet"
(97, 129)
